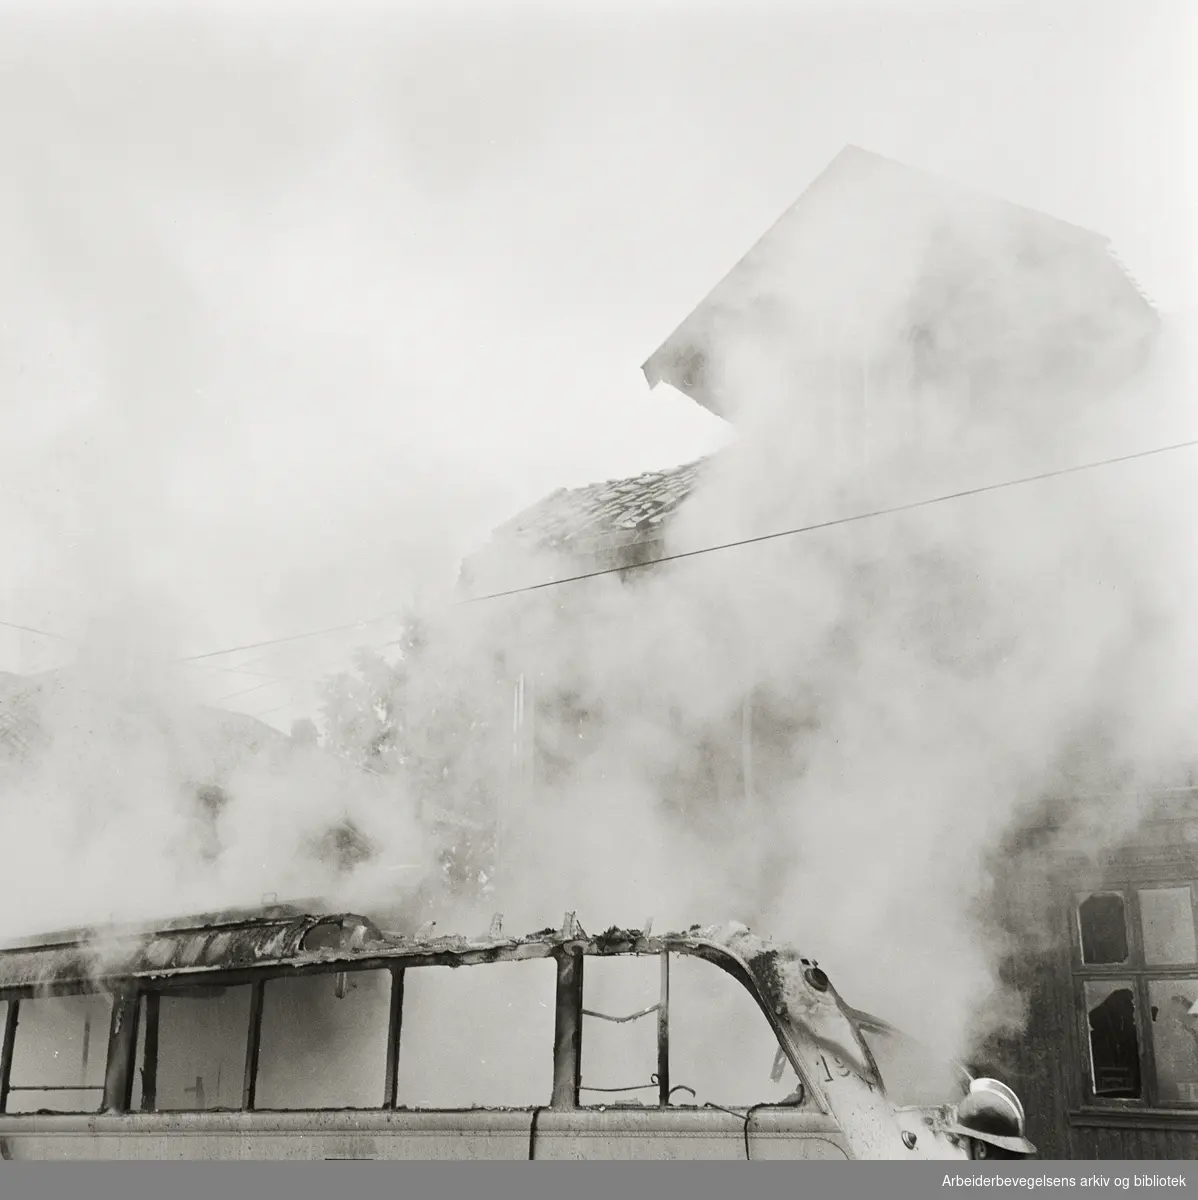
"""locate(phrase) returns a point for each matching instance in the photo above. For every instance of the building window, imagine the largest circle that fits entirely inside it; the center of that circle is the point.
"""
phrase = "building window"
(1114, 1038)
(1167, 919)
(1136, 980)
(1102, 923)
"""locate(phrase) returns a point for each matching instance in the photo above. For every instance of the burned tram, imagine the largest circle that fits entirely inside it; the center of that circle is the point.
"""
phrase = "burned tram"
(282, 1034)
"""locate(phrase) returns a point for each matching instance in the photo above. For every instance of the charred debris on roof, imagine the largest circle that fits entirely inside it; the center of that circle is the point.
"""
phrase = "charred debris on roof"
(288, 936)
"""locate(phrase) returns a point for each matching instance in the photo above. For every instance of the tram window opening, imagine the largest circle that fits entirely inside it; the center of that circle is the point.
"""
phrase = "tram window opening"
(191, 1049)
(324, 1041)
(59, 1054)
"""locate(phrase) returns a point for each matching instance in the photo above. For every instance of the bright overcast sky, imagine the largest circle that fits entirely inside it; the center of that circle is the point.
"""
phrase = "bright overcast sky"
(299, 300)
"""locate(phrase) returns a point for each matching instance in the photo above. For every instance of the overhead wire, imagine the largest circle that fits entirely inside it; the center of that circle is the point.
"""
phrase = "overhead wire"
(890, 510)
(296, 637)
(268, 711)
(246, 691)
(58, 637)
(678, 556)
(757, 539)
(238, 670)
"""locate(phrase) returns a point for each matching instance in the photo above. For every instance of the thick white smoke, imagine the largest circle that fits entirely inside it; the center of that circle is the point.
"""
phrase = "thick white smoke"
(921, 681)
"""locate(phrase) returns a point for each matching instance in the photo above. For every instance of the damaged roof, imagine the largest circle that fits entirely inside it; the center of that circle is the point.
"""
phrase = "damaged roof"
(820, 235)
(285, 936)
(601, 515)
(601, 522)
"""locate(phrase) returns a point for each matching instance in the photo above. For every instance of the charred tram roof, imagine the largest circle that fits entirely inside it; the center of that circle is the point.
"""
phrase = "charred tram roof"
(284, 937)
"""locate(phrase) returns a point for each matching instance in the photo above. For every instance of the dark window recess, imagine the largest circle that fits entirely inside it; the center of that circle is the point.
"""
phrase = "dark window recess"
(1114, 1040)
(191, 1049)
(1103, 926)
(59, 1054)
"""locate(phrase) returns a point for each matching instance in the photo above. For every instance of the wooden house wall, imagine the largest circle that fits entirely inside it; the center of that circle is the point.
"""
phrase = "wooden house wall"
(1037, 1063)
(1048, 1061)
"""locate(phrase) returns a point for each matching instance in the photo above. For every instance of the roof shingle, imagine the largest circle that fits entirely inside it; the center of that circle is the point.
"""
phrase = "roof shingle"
(603, 515)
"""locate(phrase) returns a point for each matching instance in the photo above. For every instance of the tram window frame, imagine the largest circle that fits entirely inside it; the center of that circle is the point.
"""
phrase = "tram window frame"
(565, 1050)
(144, 1057)
(460, 1033)
(259, 981)
(663, 1083)
(12, 999)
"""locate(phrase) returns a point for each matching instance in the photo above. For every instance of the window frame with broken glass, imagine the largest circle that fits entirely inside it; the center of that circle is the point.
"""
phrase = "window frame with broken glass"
(1153, 1086)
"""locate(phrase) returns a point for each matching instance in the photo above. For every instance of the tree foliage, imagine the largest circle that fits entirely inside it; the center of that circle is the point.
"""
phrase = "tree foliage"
(428, 714)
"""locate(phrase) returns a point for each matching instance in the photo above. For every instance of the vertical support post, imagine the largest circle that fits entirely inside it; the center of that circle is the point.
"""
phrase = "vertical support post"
(567, 1031)
(394, 1027)
(663, 1034)
(249, 1087)
(6, 1050)
(122, 1051)
(87, 1046)
(149, 1067)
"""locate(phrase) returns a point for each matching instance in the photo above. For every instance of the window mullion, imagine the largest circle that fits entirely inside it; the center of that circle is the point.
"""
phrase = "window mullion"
(6, 1049)
(663, 1034)
(149, 1069)
(1150, 1089)
(121, 1062)
(1135, 943)
(253, 1043)
(394, 1027)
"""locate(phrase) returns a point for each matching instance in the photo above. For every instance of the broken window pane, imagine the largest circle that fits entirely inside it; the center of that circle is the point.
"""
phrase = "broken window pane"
(1174, 1005)
(619, 1059)
(1114, 1039)
(478, 1036)
(320, 1049)
(721, 1043)
(191, 1049)
(59, 1054)
(1103, 928)
(1167, 921)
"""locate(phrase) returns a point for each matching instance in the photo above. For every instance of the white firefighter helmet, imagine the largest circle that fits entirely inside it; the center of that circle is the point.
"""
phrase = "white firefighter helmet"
(992, 1113)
